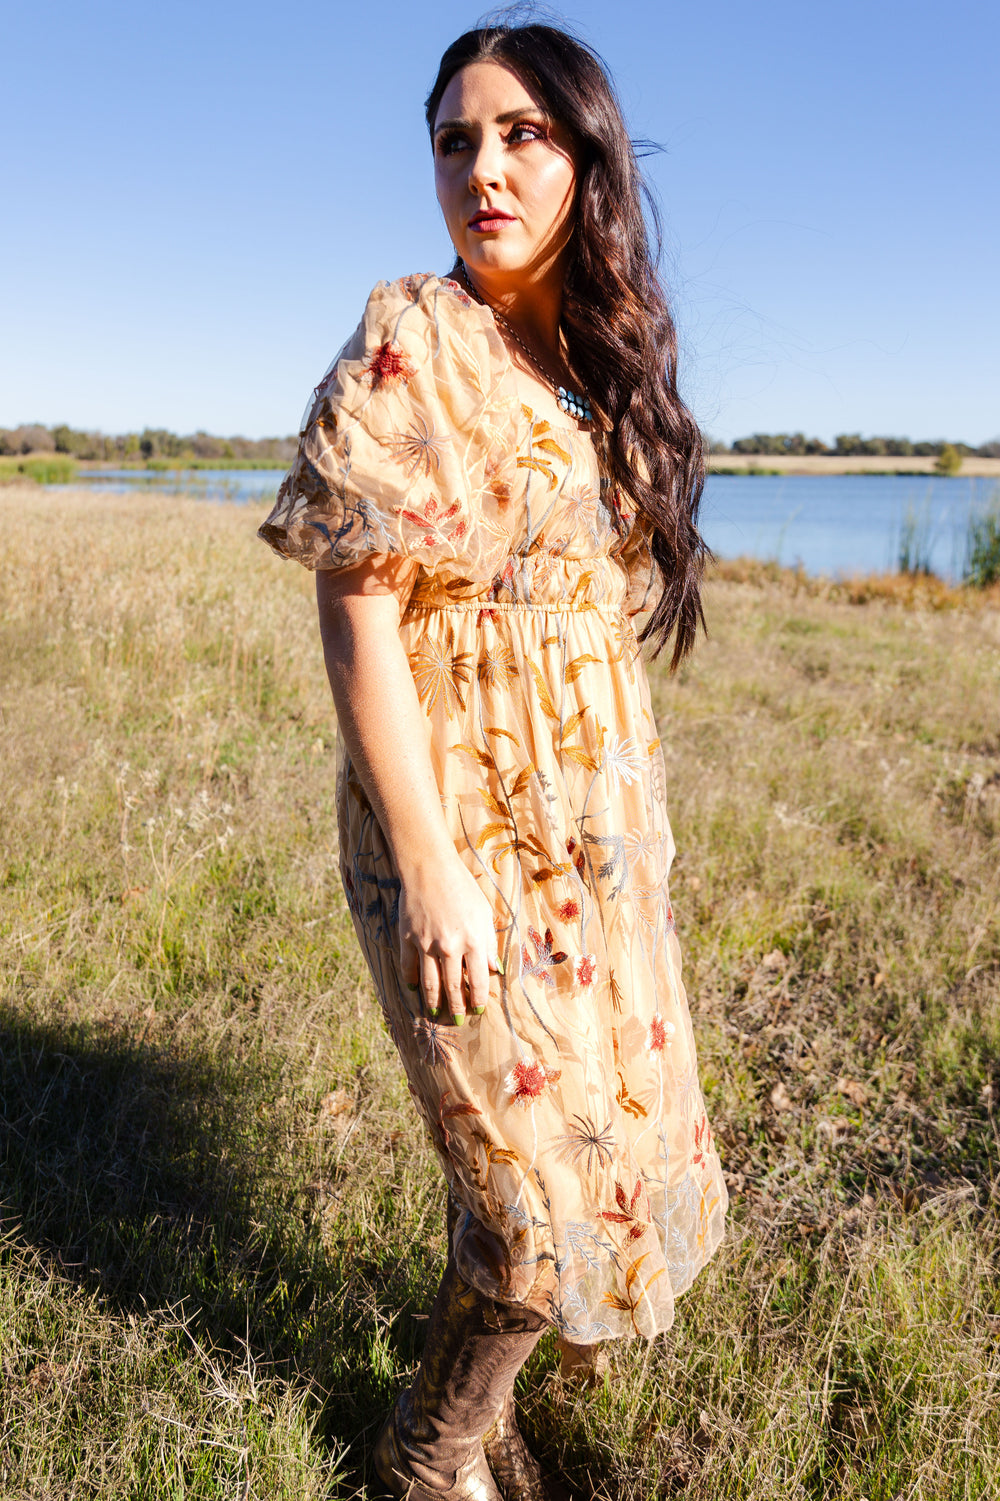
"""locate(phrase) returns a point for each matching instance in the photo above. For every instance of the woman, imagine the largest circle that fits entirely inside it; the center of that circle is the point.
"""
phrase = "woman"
(495, 474)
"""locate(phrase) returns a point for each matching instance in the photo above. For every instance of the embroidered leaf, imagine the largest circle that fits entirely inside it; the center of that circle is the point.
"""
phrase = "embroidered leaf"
(580, 757)
(521, 781)
(616, 1219)
(573, 724)
(574, 668)
(490, 832)
(494, 729)
(464, 1107)
(545, 874)
(544, 697)
(494, 805)
(501, 1154)
(549, 445)
(622, 1198)
(633, 1270)
(614, 1300)
(483, 757)
(541, 466)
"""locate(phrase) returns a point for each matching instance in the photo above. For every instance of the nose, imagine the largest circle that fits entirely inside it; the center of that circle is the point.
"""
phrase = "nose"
(486, 167)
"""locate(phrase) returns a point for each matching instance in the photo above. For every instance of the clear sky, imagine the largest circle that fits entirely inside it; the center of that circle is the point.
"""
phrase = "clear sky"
(198, 195)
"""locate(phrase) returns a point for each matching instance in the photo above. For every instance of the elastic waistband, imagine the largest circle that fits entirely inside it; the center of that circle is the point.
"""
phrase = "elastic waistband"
(514, 607)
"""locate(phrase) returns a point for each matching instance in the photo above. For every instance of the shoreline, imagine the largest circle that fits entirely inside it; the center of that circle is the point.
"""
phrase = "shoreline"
(837, 464)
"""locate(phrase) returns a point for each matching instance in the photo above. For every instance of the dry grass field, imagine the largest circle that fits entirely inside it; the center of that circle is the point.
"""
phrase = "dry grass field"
(219, 1222)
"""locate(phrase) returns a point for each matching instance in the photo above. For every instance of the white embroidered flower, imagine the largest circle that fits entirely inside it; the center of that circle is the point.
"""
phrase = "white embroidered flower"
(622, 762)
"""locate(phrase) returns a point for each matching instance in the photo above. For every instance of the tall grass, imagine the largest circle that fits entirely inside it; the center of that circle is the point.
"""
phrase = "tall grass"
(982, 543)
(220, 1220)
(44, 469)
(914, 551)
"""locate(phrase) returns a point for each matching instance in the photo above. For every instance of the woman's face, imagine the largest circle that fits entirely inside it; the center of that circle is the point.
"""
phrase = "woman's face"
(505, 178)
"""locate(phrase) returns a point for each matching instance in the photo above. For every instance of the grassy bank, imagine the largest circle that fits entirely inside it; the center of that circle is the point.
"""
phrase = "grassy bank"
(40, 468)
(220, 1220)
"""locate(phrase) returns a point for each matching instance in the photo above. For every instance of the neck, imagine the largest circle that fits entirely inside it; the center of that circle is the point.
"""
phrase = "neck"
(533, 310)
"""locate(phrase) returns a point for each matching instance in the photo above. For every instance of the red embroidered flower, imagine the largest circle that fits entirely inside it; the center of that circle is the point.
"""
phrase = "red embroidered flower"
(659, 1034)
(390, 364)
(585, 969)
(569, 910)
(528, 1081)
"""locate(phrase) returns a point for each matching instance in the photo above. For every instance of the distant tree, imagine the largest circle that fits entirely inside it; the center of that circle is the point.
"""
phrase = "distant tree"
(949, 460)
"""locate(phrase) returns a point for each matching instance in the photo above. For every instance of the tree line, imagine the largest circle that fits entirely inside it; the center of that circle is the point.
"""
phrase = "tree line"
(151, 443)
(853, 445)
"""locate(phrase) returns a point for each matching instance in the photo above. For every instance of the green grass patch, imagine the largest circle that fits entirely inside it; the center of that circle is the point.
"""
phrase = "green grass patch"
(221, 1222)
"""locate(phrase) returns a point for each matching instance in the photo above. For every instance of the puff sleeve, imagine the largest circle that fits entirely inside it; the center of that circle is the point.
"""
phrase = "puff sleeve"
(409, 445)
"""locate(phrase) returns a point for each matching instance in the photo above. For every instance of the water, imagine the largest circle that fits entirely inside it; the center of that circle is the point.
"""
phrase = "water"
(841, 524)
(240, 485)
(830, 524)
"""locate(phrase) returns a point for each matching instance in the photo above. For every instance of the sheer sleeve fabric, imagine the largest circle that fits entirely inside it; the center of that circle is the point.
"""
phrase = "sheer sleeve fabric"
(409, 445)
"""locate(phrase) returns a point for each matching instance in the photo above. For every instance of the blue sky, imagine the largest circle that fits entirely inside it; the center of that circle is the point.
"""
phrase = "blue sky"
(197, 198)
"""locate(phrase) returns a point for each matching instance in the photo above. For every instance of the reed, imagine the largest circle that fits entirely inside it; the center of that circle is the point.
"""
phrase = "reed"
(982, 544)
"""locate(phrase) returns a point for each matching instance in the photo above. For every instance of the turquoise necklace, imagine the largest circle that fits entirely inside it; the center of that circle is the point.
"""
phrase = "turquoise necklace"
(577, 406)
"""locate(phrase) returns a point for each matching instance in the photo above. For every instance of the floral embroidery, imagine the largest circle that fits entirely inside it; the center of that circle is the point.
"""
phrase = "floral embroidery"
(585, 969)
(659, 1034)
(389, 365)
(626, 1213)
(436, 1042)
(419, 449)
(587, 1139)
(528, 1080)
(544, 958)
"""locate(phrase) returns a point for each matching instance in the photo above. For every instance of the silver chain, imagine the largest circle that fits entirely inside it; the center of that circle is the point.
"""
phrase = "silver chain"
(578, 406)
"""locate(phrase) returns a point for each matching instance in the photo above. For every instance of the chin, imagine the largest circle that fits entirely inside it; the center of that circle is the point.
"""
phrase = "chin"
(494, 259)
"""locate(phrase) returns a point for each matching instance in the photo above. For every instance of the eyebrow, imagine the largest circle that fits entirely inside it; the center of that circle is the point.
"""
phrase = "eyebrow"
(504, 119)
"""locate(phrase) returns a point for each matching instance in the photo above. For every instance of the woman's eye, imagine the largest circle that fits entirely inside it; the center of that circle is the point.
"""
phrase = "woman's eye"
(525, 132)
(449, 144)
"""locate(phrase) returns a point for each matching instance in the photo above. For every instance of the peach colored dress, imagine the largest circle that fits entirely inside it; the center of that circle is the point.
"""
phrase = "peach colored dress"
(568, 1118)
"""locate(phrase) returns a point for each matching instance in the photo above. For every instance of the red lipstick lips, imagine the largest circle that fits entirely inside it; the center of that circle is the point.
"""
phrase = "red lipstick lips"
(488, 219)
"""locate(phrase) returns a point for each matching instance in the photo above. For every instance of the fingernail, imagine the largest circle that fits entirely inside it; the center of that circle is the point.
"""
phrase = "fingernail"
(434, 1014)
(459, 1019)
(478, 1010)
(499, 965)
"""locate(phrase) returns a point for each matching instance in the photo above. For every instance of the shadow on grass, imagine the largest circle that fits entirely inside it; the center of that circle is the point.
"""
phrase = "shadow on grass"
(160, 1181)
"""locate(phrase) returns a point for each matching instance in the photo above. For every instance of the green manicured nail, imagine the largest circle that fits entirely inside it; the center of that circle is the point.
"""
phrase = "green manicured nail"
(458, 1019)
(478, 1010)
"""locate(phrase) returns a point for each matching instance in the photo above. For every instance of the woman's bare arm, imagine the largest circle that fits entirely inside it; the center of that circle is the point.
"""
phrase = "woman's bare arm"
(445, 921)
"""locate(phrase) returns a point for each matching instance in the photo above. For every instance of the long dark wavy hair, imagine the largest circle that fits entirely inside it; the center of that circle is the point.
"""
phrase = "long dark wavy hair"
(620, 336)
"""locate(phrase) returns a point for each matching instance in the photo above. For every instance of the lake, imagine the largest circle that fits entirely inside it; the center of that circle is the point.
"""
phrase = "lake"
(831, 524)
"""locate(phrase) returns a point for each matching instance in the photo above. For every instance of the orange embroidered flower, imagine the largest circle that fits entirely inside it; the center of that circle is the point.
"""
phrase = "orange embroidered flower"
(389, 364)
(569, 910)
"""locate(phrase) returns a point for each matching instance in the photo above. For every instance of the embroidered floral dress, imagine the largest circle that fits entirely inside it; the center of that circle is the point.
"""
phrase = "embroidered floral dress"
(568, 1118)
